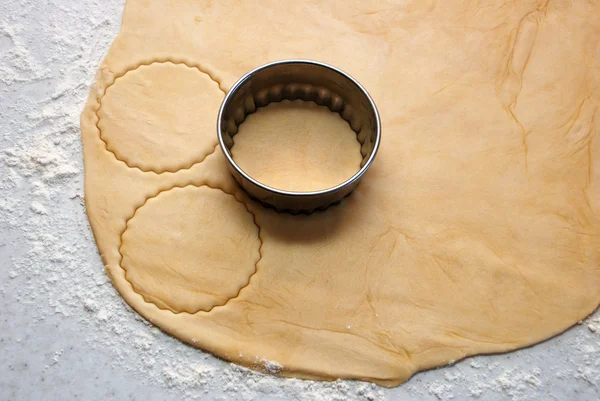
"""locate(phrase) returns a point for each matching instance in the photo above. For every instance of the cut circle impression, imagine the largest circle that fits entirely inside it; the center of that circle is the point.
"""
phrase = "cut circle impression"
(190, 249)
(160, 117)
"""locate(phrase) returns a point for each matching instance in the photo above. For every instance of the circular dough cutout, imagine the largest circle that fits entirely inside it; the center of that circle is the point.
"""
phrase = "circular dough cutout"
(190, 249)
(297, 146)
(160, 117)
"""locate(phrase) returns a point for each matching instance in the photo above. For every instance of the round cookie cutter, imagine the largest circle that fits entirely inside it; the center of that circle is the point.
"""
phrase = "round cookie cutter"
(309, 81)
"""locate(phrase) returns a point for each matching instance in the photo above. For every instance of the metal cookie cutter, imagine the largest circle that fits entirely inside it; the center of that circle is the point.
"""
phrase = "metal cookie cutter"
(309, 81)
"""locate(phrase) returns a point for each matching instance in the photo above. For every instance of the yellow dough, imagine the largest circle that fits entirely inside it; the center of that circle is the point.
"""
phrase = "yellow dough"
(151, 115)
(475, 231)
(297, 146)
(170, 254)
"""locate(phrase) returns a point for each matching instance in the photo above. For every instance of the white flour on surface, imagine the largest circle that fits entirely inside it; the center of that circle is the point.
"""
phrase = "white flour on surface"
(51, 270)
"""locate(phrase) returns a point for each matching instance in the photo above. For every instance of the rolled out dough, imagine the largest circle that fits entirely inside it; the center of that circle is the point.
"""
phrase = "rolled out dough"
(476, 230)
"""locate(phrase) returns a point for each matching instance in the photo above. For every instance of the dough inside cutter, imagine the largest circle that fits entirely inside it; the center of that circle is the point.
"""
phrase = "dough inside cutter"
(297, 146)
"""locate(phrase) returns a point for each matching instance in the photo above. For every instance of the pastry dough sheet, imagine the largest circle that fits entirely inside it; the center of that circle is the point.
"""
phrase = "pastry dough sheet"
(475, 231)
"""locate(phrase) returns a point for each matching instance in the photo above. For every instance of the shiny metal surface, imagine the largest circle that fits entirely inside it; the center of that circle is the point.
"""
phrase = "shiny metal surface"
(309, 81)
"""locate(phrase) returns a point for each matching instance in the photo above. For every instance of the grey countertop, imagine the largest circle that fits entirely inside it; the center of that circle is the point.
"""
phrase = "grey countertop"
(65, 333)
